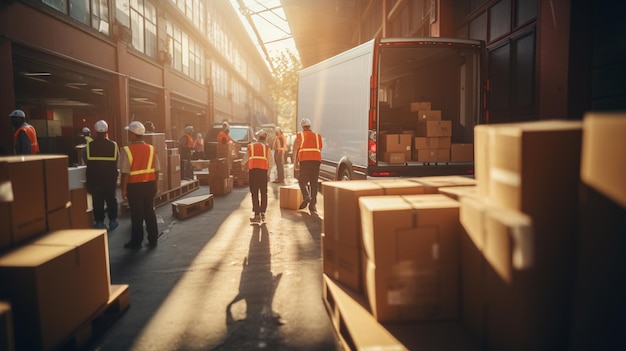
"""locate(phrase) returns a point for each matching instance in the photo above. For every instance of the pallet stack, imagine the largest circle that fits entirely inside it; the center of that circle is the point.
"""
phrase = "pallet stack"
(47, 267)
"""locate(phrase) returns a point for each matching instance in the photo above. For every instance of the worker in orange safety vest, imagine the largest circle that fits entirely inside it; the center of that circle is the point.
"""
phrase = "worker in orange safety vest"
(260, 161)
(25, 137)
(280, 147)
(139, 165)
(307, 150)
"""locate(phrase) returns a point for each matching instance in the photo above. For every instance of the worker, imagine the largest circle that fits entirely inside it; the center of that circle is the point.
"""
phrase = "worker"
(280, 147)
(140, 168)
(308, 157)
(223, 137)
(101, 157)
(185, 148)
(259, 160)
(25, 137)
(198, 147)
(87, 135)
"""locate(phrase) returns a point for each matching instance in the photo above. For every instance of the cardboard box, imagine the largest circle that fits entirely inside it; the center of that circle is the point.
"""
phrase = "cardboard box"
(290, 196)
(219, 168)
(603, 137)
(462, 153)
(55, 172)
(396, 142)
(22, 198)
(80, 209)
(228, 151)
(411, 244)
(174, 180)
(394, 157)
(60, 219)
(528, 277)
(173, 164)
(63, 274)
(428, 115)
(200, 165)
(481, 159)
(432, 184)
(457, 192)
(434, 128)
(219, 186)
(342, 217)
(342, 262)
(426, 155)
(420, 105)
(6, 327)
(432, 143)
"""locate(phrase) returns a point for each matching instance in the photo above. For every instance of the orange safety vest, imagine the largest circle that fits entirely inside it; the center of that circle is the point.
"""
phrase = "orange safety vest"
(141, 159)
(32, 136)
(277, 143)
(310, 148)
(223, 138)
(257, 156)
(189, 140)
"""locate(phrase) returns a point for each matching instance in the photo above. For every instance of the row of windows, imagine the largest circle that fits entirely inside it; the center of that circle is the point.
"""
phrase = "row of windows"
(187, 54)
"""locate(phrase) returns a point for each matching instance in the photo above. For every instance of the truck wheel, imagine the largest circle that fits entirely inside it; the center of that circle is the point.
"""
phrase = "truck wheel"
(344, 174)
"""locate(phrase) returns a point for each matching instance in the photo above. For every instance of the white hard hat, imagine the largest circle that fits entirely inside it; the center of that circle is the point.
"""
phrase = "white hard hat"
(225, 125)
(305, 122)
(136, 127)
(86, 130)
(101, 126)
(188, 128)
(18, 113)
(261, 134)
(278, 130)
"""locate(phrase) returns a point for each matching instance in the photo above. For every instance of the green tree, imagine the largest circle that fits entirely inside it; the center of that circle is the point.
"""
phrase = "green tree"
(285, 88)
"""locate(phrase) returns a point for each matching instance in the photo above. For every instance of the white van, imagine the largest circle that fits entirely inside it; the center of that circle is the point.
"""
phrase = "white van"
(396, 107)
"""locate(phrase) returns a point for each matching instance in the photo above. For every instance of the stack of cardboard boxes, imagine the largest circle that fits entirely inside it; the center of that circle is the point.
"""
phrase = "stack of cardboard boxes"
(429, 139)
(54, 277)
(220, 179)
(498, 255)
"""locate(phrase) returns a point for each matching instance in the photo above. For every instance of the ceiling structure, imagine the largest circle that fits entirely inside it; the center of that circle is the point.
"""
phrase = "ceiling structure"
(322, 28)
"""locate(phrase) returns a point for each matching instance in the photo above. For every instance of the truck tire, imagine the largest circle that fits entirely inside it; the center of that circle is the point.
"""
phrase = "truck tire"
(344, 174)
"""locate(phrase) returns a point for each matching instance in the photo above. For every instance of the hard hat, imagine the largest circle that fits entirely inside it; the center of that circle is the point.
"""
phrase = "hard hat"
(188, 128)
(86, 130)
(278, 130)
(18, 113)
(225, 125)
(136, 127)
(199, 135)
(305, 122)
(261, 134)
(101, 126)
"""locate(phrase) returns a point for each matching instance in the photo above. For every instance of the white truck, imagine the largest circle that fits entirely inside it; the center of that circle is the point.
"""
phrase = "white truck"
(396, 107)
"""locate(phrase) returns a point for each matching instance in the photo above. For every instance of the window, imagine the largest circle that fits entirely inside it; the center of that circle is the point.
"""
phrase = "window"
(143, 26)
(94, 13)
(187, 54)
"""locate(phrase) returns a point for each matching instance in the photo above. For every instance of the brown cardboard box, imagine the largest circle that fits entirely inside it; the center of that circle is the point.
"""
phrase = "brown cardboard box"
(60, 219)
(426, 155)
(434, 128)
(55, 172)
(443, 155)
(457, 192)
(173, 164)
(412, 247)
(432, 142)
(462, 152)
(342, 262)
(219, 168)
(80, 209)
(428, 115)
(601, 168)
(397, 142)
(199, 165)
(64, 275)
(527, 288)
(6, 327)
(22, 198)
(420, 105)
(174, 180)
(433, 183)
(290, 196)
(395, 157)
(481, 159)
(221, 186)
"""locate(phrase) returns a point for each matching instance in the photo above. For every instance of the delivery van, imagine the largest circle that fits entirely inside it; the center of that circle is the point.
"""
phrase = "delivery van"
(396, 107)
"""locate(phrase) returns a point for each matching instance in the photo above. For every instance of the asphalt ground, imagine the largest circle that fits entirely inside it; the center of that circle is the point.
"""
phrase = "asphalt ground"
(215, 282)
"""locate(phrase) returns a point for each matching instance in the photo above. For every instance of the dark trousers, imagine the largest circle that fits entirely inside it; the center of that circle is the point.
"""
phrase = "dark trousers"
(141, 203)
(101, 195)
(308, 179)
(280, 168)
(258, 189)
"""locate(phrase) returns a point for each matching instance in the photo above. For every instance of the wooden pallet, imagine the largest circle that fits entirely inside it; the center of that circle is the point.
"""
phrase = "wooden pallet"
(119, 301)
(185, 188)
(192, 206)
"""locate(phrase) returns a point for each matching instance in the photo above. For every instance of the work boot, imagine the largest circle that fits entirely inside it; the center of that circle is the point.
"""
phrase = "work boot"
(113, 223)
(262, 217)
(313, 209)
(304, 203)
(100, 225)
(255, 219)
